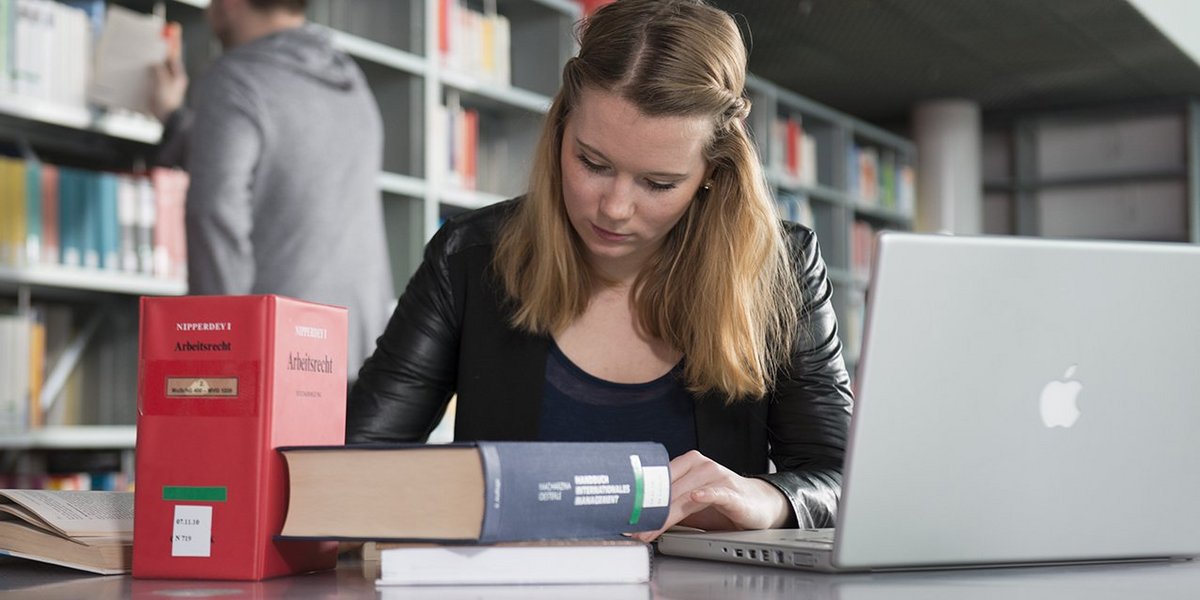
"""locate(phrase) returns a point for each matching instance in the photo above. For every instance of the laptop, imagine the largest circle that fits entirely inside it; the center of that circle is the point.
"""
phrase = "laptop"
(1020, 401)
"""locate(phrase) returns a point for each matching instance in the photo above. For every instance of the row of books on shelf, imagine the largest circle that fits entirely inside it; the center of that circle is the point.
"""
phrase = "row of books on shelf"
(100, 391)
(793, 151)
(99, 481)
(45, 51)
(879, 177)
(115, 222)
(875, 176)
(72, 53)
(22, 371)
(456, 132)
(475, 43)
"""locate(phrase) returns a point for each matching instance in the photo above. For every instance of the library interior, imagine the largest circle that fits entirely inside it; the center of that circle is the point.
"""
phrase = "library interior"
(1041, 134)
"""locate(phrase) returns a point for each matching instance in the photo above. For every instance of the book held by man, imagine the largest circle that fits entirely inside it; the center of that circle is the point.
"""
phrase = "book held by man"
(90, 531)
(129, 47)
(223, 382)
(483, 492)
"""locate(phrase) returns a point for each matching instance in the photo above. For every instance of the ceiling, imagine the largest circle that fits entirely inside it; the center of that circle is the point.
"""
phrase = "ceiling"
(875, 59)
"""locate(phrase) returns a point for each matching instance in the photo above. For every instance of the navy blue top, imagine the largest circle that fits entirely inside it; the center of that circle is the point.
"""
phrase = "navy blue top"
(578, 407)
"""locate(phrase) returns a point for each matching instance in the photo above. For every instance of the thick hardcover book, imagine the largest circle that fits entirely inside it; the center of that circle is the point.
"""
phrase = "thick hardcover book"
(483, 492)
(223, 382)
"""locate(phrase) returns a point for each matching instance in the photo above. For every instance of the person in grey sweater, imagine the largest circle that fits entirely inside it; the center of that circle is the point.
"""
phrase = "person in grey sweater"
(283, 145)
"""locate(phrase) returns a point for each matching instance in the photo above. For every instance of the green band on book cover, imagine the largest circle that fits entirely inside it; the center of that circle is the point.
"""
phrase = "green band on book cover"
(639, 490)
(194, 494)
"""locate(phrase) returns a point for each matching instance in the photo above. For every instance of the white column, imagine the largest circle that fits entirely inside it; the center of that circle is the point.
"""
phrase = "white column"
(948, 136)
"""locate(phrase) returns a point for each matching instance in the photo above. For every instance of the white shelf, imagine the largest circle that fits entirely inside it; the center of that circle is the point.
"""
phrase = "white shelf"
(77, 278)
(402, 185)
(87, 437)
(882, 212)
(567, 7)
(848, 278)
(819, 192)
(131, 126)
(468, 199)
(379, 53)
(509, 96)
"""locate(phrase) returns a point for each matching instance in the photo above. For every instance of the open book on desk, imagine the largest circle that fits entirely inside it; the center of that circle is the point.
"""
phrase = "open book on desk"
(90, 531)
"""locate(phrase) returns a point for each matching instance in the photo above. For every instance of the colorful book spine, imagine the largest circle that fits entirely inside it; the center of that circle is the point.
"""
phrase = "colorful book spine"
(70, 236)
(89, 204)
(33, 212)
(12, 211)
(475, 43)
(127, 222)
(617, 486)
(170, 236)
(793, 151)
(46, 51)
(223, 382)
(147, 216)
(14, 373)
(108, 230)
(462, 147)
(50, 241)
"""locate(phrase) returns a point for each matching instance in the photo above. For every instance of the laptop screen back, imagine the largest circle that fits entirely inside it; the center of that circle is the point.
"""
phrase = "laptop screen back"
(1025, 400)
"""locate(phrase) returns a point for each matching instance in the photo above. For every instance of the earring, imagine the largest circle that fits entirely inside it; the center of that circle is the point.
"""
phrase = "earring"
(707, 185)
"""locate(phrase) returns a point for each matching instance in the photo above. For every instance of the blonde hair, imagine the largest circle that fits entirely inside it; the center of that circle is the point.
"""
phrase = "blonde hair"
(721, 289)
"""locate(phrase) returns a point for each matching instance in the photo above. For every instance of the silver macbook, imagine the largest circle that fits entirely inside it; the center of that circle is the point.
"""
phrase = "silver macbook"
(1020, 401)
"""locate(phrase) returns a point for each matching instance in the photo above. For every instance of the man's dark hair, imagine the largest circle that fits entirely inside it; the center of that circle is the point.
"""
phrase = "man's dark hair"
(296, 6)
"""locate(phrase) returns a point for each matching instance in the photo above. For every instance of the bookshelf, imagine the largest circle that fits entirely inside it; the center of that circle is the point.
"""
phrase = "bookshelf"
(131, 126)
(417, 82)
(845, 178)
(1117, 172)
(396, 44)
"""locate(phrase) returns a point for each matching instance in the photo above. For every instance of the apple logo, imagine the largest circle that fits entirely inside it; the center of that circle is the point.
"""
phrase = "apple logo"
(1058, 401)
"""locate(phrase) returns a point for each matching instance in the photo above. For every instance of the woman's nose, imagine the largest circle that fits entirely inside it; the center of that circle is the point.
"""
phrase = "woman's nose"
(618, 200)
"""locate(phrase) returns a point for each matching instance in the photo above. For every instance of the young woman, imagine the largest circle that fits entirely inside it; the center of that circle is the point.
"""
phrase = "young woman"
(643, 289)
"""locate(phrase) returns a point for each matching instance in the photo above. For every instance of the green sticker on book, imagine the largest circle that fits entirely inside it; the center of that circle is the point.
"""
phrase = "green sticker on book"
(194, 494)
(639, 490)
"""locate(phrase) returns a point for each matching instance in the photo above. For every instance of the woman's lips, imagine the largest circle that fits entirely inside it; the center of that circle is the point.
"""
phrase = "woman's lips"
(610, 236)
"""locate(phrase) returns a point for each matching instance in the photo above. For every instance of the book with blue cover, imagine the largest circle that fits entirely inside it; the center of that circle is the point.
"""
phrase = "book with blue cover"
(481, 492)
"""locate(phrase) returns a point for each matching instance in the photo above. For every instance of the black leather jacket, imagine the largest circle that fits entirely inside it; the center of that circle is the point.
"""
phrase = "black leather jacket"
(450, 334)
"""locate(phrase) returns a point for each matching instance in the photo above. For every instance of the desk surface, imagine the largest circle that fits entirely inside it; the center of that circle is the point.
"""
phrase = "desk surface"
(674, 578)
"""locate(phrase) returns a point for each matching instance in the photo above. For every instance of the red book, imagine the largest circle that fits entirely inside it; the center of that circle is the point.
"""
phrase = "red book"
(223, 382)
(170, 238)
(444, 9)
(795, 137)
(49, 214)
(470, 148)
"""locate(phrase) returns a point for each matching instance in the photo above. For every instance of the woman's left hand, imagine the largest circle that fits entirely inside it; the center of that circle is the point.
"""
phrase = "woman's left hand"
(706, 495)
